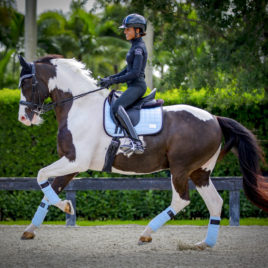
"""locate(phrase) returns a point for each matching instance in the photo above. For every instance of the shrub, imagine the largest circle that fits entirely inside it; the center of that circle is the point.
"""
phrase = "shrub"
(24, 150)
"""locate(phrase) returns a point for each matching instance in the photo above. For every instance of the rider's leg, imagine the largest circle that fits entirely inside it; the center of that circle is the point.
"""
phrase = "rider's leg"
(125, 122)
(133, 93)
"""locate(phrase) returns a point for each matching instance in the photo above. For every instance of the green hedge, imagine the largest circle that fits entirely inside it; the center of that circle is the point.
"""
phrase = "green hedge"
(24, 150)
(124, 205)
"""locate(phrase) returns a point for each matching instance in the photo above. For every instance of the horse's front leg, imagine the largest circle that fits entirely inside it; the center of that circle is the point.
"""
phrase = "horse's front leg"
(58, 184)
(59, 168)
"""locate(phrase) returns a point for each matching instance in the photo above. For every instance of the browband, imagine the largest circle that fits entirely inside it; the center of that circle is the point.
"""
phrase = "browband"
(27, 75)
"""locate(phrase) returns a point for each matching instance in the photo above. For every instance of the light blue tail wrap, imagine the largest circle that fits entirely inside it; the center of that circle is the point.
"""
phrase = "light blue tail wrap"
(49, 193)
(162, 218)
(213, 230)
(41, 213)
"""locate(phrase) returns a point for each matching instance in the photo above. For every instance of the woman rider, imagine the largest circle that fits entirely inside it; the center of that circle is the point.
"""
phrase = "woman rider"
(134, 26)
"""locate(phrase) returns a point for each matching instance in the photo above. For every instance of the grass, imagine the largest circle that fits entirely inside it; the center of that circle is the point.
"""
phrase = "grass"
(246, 221)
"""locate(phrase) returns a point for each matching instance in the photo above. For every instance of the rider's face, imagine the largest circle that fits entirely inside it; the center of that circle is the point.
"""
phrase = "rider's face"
(130, 33)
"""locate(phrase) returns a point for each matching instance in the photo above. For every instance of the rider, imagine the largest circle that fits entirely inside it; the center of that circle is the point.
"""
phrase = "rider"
(134, 26)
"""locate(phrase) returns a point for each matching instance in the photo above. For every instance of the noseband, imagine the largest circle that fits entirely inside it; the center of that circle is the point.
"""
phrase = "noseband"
(40, 108)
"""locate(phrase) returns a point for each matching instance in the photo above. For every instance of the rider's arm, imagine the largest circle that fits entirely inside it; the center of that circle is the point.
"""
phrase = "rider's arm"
(135, 72)
(119, 74)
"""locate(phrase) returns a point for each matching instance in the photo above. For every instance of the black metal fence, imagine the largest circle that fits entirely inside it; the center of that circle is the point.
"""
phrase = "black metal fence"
(232, 184)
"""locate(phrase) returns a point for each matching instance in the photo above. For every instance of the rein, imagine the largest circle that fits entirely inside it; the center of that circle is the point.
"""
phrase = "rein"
(43, 108)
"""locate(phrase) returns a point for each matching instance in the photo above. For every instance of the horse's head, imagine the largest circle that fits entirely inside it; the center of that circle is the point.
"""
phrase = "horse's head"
(34, 91)
(52, 76)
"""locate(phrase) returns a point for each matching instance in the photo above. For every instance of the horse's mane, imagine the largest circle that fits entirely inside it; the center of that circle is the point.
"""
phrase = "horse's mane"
(71, 65)
(48, 58)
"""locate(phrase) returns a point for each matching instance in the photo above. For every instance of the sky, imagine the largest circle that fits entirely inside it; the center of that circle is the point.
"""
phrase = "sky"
(44, 5)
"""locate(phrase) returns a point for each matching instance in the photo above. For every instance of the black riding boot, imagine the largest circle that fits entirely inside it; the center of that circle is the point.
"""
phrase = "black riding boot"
(135, 145)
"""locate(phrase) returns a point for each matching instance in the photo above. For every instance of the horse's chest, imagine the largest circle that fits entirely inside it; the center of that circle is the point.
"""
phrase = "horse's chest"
(66, 145)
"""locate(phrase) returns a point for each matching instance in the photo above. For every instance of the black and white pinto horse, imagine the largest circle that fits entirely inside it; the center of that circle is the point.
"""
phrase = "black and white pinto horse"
(188, 145)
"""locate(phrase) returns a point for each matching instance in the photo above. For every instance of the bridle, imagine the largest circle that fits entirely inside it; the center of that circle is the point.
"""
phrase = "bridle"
(39, 107)
(34, 107)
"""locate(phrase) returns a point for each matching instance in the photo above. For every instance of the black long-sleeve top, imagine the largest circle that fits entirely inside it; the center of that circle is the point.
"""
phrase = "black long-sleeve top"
(136, 62)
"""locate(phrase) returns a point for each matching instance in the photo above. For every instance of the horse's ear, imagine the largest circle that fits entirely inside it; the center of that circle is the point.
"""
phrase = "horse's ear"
(26, 67)
(23, 62)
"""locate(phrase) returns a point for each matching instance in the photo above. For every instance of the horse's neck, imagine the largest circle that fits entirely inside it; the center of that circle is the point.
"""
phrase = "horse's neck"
(86, 106)
(71, 80)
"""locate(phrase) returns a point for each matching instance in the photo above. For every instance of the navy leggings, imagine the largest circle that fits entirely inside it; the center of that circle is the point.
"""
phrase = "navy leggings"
(135, 91)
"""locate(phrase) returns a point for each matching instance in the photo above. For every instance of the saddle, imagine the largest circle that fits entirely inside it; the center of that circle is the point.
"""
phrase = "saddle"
(146, 115)
(134, 111)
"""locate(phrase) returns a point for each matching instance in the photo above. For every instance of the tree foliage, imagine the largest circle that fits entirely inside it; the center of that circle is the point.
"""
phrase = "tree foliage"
(210, 43)
(207, 43)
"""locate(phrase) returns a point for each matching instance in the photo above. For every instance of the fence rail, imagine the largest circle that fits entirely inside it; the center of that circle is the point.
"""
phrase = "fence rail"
(232, 184)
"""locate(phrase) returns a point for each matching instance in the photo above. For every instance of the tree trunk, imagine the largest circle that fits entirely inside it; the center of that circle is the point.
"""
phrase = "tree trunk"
(30, 29)
(149, 41)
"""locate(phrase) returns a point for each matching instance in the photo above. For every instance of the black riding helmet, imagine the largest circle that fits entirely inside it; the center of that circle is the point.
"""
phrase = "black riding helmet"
(135, 21)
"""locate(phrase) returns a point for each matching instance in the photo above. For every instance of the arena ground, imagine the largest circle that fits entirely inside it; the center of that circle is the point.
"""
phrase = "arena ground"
(116, 246)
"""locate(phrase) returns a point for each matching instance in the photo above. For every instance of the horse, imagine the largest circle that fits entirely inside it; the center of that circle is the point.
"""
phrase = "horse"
(189, 144)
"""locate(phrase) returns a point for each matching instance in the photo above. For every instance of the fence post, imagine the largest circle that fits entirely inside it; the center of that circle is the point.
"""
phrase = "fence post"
(71, 219)
(234, 207)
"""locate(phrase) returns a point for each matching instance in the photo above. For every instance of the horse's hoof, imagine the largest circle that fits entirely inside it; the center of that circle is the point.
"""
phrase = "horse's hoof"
(68, 208)
(145, 240)
(27, 236)
(198, 246)
(201, 245)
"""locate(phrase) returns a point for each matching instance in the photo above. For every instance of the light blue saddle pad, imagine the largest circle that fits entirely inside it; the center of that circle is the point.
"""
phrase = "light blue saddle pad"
(151, 122)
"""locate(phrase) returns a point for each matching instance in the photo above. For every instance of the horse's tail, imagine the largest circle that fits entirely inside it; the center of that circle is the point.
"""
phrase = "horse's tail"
(249, 155)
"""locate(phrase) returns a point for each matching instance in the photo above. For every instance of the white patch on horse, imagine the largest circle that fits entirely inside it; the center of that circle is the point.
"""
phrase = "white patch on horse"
(210, 164)
(71, 76)
(22, 113)
(23, 118)
(177, 202)
(212, 198)
(209, 193)
(199, 113)
(114, 170)
(89, 149)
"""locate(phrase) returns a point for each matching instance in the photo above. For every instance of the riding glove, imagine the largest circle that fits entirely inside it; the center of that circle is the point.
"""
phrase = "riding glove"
(106, 82)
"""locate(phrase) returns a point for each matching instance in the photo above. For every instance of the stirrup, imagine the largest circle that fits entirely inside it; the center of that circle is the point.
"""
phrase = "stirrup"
(127, 147)
(133, 146)
(138, 148)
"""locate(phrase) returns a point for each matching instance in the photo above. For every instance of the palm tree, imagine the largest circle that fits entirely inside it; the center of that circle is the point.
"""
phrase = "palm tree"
(93, 39)
(11, 35)
(54, 37)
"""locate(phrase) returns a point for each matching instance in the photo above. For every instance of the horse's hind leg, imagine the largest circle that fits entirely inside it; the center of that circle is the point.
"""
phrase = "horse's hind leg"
(57, 185)
(180, 199)
(212, 199)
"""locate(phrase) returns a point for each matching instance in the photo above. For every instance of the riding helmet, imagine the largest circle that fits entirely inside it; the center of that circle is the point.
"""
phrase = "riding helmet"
(136, 21)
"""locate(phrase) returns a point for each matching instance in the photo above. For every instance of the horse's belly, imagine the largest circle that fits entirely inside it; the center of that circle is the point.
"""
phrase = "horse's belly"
(154, 158)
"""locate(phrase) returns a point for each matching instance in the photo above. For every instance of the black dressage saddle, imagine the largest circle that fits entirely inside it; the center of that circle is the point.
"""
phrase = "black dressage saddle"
(134, 111)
